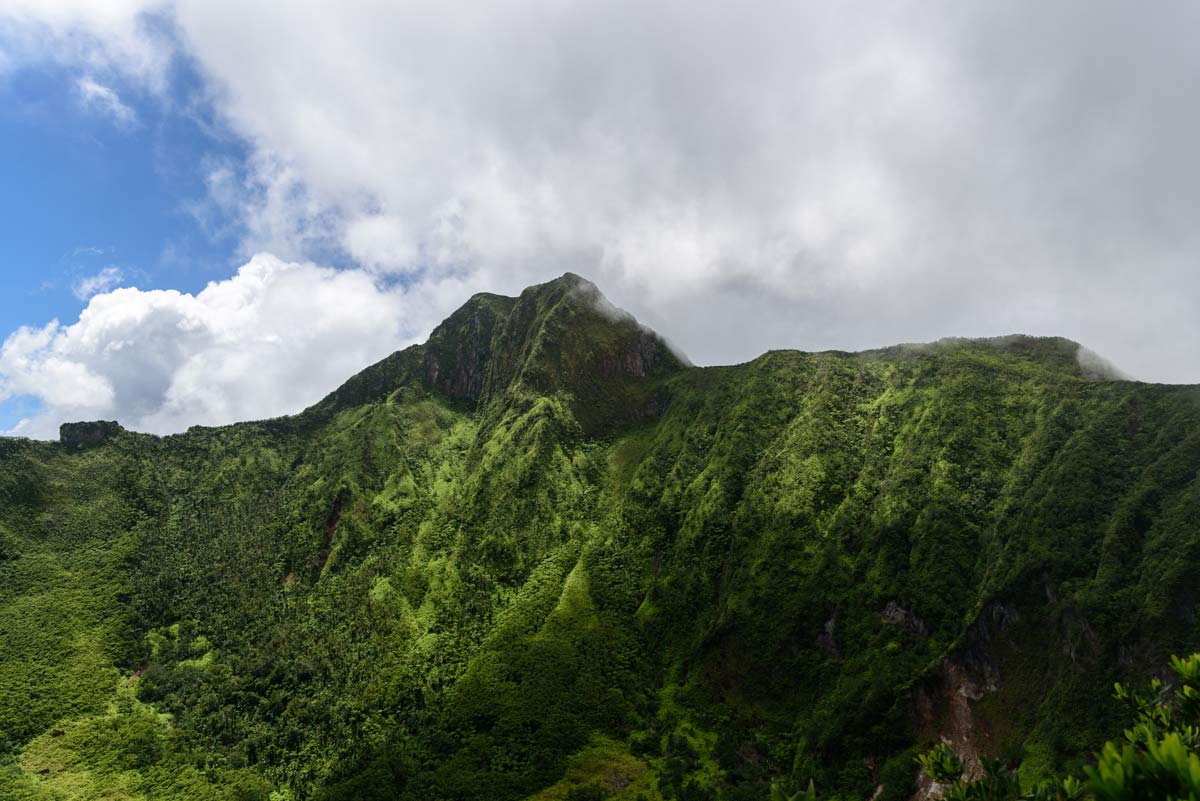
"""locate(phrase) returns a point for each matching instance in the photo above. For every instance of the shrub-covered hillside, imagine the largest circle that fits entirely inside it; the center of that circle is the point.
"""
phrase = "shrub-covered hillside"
(541, 557)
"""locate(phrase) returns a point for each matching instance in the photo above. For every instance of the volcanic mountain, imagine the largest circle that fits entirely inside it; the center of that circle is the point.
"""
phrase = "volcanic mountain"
(543, 556)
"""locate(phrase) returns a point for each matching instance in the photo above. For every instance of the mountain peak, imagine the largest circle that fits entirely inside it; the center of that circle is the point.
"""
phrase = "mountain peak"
(566, 336)
(572, 279)
(562, 337)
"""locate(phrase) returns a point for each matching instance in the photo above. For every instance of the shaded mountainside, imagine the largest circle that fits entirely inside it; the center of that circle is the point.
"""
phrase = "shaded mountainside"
(540, 556)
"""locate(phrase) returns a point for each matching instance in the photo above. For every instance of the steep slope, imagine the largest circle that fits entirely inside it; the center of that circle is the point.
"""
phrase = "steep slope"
(541, 556)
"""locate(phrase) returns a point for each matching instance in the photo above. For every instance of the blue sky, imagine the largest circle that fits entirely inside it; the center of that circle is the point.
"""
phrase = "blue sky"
(83, 191)
(264, 197)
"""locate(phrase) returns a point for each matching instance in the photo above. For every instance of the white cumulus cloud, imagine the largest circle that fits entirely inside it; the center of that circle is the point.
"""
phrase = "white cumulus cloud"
(272, 339)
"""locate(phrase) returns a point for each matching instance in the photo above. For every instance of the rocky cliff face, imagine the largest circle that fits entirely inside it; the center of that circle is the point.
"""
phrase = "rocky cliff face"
(460, 350)
(81, 435)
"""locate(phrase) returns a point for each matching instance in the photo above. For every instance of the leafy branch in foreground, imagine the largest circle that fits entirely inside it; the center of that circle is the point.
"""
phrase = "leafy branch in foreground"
(1159, 760)
(778, 794)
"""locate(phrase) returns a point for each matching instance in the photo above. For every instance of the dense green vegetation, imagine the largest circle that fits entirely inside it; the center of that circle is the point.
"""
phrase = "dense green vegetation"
(540, 557)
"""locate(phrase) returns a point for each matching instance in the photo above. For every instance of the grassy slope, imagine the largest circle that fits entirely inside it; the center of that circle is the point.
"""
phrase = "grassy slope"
(529, 567)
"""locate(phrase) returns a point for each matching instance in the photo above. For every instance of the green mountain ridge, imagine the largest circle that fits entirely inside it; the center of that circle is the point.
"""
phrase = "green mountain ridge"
(542, 556)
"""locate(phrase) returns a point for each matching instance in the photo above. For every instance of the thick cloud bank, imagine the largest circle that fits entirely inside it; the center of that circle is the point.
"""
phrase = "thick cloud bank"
(803, 174)
(271, 340)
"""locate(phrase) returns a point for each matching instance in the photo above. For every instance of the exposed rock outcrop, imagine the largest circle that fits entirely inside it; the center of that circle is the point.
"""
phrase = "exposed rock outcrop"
(82, 435)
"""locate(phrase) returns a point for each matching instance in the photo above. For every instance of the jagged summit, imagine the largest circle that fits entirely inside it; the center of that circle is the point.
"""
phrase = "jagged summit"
(563, 336)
